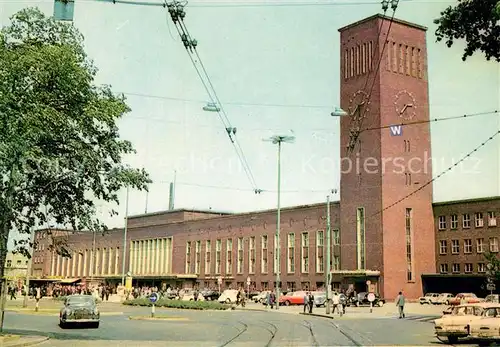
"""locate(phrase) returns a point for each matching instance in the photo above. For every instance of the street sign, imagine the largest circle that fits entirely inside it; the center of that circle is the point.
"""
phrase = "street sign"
(491, 286)
(248, 281)
(219, 280)
(371, 297)
(153, 297)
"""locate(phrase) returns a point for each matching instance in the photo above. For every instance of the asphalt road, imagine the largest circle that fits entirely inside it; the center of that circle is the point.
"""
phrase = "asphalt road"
(226, 328)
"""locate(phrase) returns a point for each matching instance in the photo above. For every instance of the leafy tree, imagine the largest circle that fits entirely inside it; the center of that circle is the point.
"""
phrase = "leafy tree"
(475, 21)
(494, 272)
(60, 150)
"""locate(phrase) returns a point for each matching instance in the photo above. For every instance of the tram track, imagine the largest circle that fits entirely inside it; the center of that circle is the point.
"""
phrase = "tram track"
(271, 328)
(240, 332)
(347, 335)
(308, 326)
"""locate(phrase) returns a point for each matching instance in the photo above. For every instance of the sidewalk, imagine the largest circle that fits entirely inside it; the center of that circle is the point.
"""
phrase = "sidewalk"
(49, 305)
(21, 341)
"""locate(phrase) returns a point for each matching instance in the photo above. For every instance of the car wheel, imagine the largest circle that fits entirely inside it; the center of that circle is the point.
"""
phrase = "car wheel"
(380, 303)
(63, 325)
(287, 303)
(228, 301)
(452, 339)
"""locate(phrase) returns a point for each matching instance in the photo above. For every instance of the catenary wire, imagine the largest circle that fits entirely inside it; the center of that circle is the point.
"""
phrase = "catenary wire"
(448, 169)
(365, 109)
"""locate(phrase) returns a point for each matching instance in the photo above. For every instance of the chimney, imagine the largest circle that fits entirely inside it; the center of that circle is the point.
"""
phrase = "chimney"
(171, 196)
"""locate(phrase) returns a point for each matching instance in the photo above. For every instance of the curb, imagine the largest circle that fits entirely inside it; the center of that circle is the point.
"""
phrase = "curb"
(26, 341)
(179, 319)
(316, 315)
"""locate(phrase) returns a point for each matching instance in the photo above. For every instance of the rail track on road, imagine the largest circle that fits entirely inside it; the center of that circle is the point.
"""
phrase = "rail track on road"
(271, 328)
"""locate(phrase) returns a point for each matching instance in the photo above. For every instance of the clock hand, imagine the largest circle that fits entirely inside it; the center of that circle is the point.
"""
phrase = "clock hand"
(404, 109)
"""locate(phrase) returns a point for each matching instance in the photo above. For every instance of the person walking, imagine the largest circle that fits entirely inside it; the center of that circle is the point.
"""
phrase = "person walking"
(335, 303)
(400, 303)
(306, 302)
(310, 300)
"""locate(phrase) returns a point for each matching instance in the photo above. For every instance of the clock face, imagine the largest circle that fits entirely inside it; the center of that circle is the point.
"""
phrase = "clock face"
(405, 105)
(358, 105)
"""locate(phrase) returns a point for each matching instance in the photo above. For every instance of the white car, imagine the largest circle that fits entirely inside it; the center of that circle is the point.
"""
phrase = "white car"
(228, 296)
(444, 298)
(261, 297)
(455, 325)
(429, 298)
(487, 329)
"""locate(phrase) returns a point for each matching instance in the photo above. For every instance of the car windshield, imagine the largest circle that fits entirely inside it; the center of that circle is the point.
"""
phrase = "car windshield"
(79, 300)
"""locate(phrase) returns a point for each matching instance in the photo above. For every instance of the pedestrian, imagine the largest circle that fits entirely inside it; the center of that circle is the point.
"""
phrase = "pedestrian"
(343, 302)
(336, 303)
(306, 302)
(400, 303)
(311, 302)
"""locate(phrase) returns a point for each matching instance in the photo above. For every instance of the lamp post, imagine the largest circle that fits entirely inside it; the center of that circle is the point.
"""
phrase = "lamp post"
(278, 139)
(328, 242)
(28, 269)
(125, 229)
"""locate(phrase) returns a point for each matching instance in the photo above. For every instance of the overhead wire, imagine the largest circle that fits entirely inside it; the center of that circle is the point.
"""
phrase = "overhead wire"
(445, 171)
(176, 10)
(355, 136)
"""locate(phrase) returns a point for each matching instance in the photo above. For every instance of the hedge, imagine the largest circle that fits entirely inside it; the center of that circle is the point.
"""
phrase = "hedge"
(62, 298)
(187, 305)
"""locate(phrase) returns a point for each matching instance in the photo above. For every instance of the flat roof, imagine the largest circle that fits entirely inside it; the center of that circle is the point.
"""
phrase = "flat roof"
(465, 201)
(381, 16)
(142, 215)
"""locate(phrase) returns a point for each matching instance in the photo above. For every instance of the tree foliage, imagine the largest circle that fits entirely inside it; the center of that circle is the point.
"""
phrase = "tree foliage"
(60, 149)
(475, 21)
(494, 270)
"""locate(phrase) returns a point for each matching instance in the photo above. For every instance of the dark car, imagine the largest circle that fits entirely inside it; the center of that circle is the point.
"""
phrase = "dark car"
(210, 295)
(362, 300)
(79, 309)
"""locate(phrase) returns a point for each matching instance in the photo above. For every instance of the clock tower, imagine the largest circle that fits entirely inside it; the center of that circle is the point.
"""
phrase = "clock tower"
(387, 223)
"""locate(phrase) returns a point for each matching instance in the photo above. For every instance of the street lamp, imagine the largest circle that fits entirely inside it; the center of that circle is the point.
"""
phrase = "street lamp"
(338, 112)
(211, 107)
(279, 139)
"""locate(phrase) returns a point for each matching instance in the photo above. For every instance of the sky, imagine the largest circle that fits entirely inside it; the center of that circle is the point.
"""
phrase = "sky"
(276, 70)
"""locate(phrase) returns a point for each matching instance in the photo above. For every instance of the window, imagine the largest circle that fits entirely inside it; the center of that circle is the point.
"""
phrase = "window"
(455, 268)
(481, 267)
(251, 255)
(455, 247)
(291, 253)
(9, 263)
(443, 268)
(320, 264)
(480, 245)
(466, 221)
(64, 10)
(305, 253)
(208, 253)
(409, 244)
(479, 221)
(240, 255)
(454, 222)
(443, 247)
(197, 263)
(188, 257)
(218, 250)
(336, 237)
(336, 263)
(229, 256)
(263, 263)
(467, 246)
(346, 64)
(494, 244)
(442, 223)
(468, 267)
(360, 237)
(407, 146)
(492, 219)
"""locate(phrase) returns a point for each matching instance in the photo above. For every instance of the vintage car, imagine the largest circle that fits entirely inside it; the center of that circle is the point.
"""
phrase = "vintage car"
(495, 298)
(455, 325)
(293, 298)
(444, 299)
(429, 298)
(464, 298)
(261, 297)
(79, 309)
(229, 296)
(487, 329)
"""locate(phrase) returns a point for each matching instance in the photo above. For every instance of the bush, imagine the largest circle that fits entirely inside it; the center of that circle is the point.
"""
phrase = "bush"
(62, 298)
(186, 305)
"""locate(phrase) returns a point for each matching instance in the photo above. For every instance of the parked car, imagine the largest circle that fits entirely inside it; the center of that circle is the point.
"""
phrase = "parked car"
(319, 299)
(495, 298)
(464, 298)
(362, 300)
(444, 299)
(210, 295)
(261, 297)
(487, 329)
(79, 309)
(293, 298)
(453, 326)
(229, 296)
(429, 299)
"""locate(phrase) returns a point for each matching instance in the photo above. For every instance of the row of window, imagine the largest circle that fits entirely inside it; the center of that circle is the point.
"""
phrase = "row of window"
(358, 60)
(466, 221)
(18, 263)
(456, 268)
(250, 245)
(481, 246)
(86, 263)
(405, 60)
